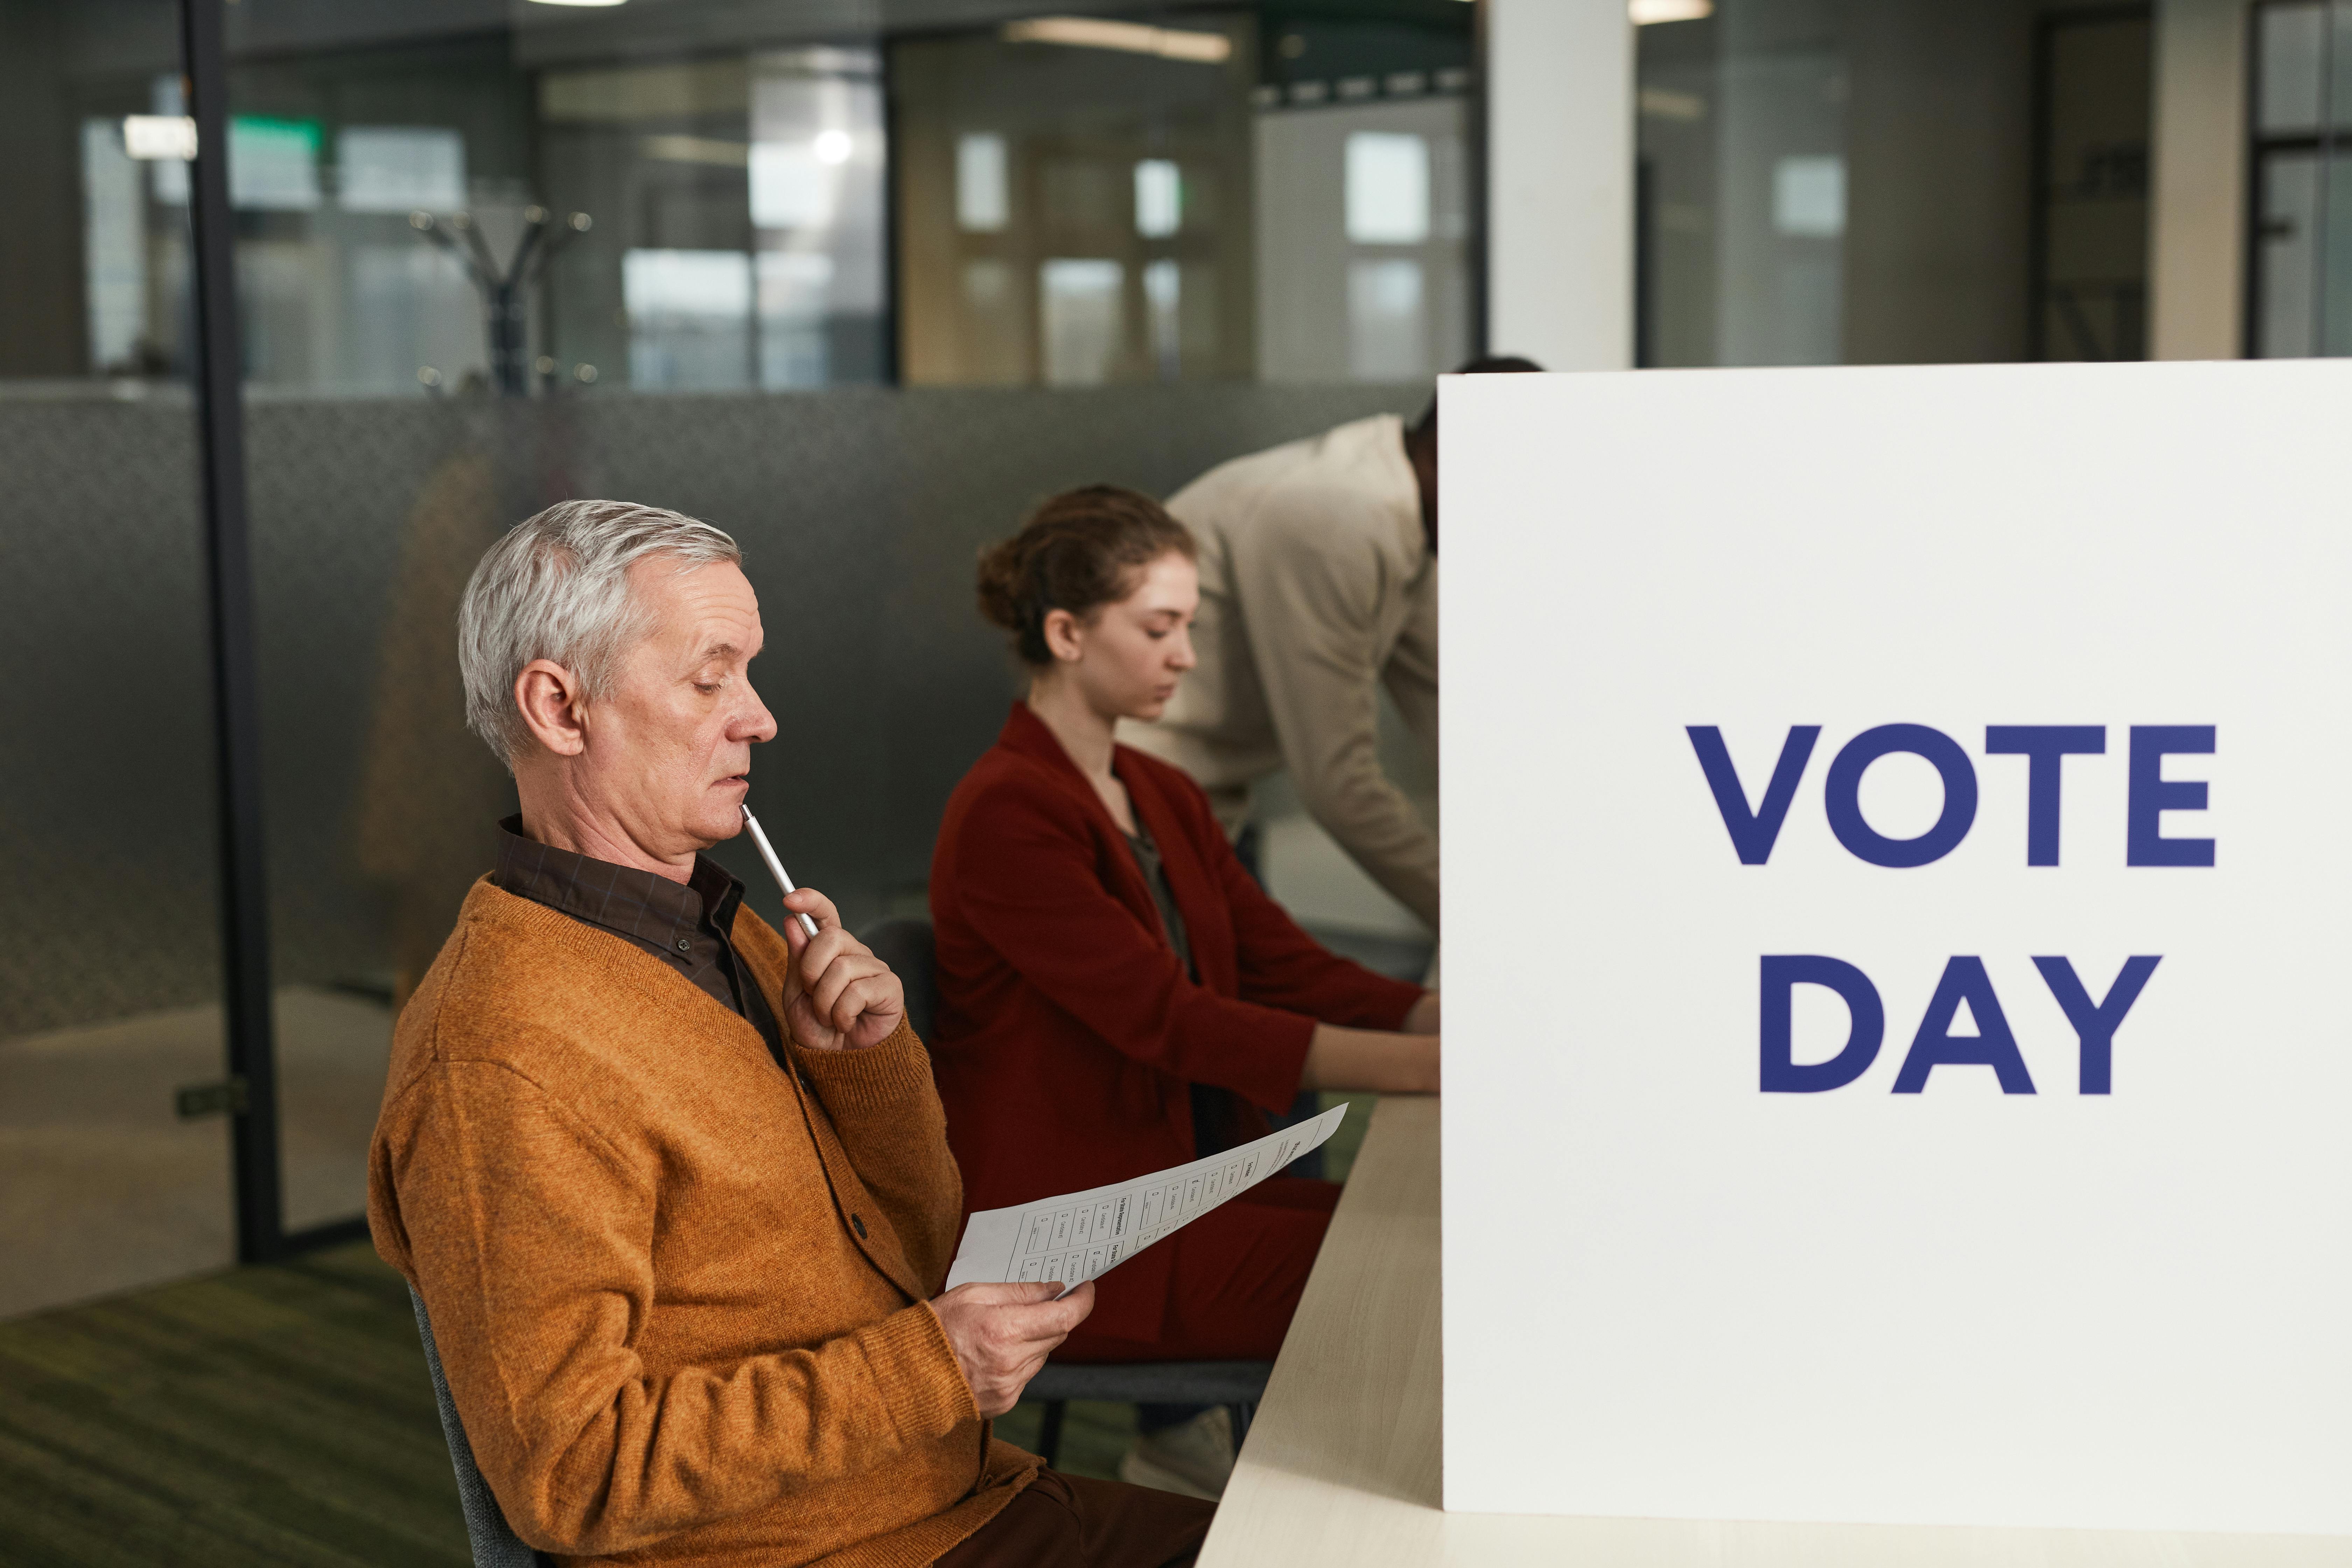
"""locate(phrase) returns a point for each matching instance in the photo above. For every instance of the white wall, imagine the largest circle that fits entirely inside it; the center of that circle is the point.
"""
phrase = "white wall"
(1560, 192)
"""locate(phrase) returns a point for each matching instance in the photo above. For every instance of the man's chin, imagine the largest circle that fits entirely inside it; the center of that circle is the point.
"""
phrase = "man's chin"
(725, 821)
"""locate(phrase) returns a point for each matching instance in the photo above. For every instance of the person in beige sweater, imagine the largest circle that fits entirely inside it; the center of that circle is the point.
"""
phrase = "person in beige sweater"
(1319, 586)
(675, 1189)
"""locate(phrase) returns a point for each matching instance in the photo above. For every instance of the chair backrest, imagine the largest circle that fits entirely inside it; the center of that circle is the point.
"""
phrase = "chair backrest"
(905, 946)
(496, 1545)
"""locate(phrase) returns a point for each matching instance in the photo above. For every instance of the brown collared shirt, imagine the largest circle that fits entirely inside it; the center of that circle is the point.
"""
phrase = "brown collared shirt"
(686, 925)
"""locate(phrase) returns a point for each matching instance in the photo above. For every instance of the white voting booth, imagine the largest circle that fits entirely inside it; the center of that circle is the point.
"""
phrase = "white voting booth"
(1898, 899)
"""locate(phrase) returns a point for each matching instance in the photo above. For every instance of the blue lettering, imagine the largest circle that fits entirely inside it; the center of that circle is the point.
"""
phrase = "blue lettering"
(2152, 794)
(1841, 795)
(1781, 975)
(2095, 1024)
(2046, 747)
(1753, 834)
(1936, 1046)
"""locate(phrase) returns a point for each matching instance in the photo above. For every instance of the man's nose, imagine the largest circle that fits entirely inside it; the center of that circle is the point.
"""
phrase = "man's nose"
(752, 721)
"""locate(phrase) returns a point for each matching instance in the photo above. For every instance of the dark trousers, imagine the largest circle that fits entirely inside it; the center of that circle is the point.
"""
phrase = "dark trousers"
(1070, 1521)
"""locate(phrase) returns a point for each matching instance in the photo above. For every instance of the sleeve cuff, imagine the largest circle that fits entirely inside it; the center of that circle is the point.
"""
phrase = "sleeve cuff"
(885, 1074)
(1390, 1012)
(917, 1373)
(1271, 1082)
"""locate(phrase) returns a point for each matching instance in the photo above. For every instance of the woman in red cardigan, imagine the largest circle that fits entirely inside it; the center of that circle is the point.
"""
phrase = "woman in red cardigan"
(1116, 994)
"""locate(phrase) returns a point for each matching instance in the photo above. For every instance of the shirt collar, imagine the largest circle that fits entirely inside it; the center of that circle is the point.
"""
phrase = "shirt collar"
(620, 897)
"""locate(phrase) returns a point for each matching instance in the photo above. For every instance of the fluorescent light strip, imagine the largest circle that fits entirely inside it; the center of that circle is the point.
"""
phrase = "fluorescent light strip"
(1646, 12)
(696, 149)
(159, 136)
(1133, 37)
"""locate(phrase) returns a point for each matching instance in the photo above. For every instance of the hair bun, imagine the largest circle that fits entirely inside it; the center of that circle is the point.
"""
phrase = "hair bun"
(1000, 582)
(1081, 550)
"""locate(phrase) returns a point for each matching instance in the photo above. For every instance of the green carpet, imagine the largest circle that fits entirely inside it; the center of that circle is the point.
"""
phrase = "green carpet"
(261, 1416)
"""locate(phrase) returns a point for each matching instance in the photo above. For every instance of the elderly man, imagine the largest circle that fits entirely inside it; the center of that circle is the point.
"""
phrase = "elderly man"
(674, 1189)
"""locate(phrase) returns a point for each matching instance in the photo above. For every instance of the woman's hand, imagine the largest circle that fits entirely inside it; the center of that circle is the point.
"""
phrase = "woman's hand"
(1371, 1059)
(1423, 1019)
(847, 999)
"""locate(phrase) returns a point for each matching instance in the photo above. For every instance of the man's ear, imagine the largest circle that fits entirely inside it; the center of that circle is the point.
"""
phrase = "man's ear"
(550, 700)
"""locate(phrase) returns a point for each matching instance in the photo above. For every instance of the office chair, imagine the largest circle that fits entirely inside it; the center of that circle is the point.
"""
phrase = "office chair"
(496, 1545)
(905, 946)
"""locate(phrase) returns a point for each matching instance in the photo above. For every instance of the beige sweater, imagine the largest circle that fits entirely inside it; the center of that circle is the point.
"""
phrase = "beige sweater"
(680, 1294)
(1317, 586)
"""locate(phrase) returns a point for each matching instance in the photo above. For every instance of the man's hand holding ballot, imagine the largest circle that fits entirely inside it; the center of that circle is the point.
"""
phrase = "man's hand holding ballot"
(1002, 1333)
(1080, 1237)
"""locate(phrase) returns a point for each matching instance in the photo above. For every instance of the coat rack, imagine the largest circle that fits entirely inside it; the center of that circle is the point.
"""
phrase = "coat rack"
(504, 290)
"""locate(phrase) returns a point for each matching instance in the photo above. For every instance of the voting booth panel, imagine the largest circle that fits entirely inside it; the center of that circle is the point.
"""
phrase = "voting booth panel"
(1896, 909)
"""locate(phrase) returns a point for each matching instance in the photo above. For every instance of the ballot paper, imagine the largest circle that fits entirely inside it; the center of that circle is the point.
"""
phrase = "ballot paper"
(1084, 1235)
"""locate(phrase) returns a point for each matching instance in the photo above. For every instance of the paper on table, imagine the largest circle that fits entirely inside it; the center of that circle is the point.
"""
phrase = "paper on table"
(1084, 1235)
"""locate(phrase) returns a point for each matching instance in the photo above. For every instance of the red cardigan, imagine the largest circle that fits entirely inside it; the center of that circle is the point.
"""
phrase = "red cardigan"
(1068, 1031)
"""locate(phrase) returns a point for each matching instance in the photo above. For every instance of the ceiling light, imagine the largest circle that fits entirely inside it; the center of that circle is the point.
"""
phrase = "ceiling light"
(1646, 12)
(1092, 33)
(1664, 103)
(696, 149)
(578, 1)
(159, 136)
(833, 146)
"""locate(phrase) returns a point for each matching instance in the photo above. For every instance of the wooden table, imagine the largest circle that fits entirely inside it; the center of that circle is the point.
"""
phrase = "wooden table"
(1343, 1463)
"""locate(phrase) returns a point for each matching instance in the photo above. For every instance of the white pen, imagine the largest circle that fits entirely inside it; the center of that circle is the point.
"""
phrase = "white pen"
(775, 867)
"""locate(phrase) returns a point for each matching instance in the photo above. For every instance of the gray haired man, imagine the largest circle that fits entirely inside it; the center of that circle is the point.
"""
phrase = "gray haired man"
(673, 1186)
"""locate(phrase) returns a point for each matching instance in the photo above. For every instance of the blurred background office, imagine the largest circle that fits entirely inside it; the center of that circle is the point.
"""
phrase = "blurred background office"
(858, 280)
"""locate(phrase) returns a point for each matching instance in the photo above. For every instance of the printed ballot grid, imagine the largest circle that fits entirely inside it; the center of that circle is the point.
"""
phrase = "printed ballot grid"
(1084, 1235)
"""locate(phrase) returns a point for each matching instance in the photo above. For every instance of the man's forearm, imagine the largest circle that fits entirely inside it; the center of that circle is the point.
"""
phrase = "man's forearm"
(655, 1457)
(1379, 830)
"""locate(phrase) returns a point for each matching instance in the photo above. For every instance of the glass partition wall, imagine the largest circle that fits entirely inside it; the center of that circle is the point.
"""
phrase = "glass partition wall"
(114, 1160)
(1252, 194)
(2301, 210)
(1891, 182)
(1075, 218)
(2091, 206)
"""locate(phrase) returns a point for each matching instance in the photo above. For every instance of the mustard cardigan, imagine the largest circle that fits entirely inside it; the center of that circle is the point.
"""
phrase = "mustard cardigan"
(679, 1292)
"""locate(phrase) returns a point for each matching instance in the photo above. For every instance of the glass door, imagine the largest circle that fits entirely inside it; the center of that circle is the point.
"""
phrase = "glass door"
(114, 1101)
(2301, 243)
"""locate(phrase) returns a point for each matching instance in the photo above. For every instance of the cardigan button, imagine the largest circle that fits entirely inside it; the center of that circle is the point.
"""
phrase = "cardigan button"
(860, 1225)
